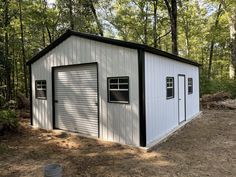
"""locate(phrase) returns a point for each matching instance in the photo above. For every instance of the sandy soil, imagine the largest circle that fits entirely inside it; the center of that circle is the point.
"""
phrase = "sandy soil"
(205, 147)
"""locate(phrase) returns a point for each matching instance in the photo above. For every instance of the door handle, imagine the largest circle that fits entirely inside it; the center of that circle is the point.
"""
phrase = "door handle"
(96, 104)
(55, 101)
(179, 99)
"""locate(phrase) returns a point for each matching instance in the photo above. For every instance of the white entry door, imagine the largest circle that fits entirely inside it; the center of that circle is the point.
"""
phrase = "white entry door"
(181, 98)
(76, 99)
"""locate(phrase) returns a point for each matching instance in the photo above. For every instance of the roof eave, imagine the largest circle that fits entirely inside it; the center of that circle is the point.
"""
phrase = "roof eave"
(132, 45)
(51, 46)
(171, 56)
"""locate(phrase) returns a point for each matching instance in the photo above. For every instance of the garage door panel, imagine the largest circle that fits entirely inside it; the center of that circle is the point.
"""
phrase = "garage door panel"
(76, 94)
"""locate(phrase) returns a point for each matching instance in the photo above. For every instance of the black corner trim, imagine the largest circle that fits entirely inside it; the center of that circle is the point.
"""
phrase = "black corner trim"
(142, 104)
(199, 88)
(31, 97)
(53, 99)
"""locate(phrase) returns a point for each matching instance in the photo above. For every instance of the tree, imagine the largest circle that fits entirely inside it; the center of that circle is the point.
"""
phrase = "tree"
(214, 28)
(96, 17)
(230, 9)
(155, 3)
(172, 11)
(6, 50)
(70, 6)
(23, 49)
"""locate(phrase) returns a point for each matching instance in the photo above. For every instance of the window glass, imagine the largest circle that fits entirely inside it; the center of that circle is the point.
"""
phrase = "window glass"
(118, 90)
(169, 87)
(190, 85)
(41, 89)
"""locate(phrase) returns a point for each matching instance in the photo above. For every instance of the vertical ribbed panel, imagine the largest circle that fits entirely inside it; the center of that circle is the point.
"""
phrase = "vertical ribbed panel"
(76, 99)
(162, 113)
(117, 122)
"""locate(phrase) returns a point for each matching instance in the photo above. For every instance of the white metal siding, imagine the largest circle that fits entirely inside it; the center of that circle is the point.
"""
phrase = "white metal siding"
(118, 122)
(162, 114)
(76, 99)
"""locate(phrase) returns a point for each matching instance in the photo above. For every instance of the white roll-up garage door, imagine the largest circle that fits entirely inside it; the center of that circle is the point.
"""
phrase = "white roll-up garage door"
(76, 104)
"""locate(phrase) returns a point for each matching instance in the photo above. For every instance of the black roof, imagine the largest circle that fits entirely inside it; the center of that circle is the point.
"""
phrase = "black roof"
(132, 45)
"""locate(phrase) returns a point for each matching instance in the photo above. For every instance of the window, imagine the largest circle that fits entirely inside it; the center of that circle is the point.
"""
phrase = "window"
(190, 85)
(118, 89)
(41, 89)
(169, 87)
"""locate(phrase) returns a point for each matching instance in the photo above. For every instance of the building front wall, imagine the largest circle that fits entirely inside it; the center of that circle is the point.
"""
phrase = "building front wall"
(162, 113)
(118, 122)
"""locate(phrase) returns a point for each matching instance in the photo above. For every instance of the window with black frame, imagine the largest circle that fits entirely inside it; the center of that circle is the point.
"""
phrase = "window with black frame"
(41, 89)
(190, 85)
(118, 89)
(169, 87)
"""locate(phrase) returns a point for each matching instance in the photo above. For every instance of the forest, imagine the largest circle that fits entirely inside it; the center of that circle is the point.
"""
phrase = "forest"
(200, 30)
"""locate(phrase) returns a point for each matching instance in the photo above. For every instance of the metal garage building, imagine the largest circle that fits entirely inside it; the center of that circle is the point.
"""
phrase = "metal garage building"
(113, 90)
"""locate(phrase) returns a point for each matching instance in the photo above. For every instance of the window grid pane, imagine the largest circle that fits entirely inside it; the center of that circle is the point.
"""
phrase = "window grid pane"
(118, 90)
(41, 89)
(190, 85)
(170, 87)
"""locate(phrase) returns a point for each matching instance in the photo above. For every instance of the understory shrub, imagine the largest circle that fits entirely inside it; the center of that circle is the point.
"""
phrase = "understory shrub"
(8, 120)
(214, 86)
(22, 101)
(2, 101)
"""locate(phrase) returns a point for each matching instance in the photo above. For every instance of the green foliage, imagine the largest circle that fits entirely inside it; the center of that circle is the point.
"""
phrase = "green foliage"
(214, 86)
(8, 120)
(130, 20)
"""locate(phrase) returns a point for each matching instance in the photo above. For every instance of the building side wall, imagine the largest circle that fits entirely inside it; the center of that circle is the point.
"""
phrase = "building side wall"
(118, 122)
(162, 113)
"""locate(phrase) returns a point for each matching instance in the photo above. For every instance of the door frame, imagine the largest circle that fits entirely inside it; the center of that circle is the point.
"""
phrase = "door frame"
(53, 92)
(182, 75)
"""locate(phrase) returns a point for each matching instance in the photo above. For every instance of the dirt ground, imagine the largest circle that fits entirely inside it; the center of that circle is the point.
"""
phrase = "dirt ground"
(205, 147)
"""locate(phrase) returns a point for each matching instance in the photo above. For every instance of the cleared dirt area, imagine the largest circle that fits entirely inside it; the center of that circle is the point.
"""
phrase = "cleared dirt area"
(205, 147)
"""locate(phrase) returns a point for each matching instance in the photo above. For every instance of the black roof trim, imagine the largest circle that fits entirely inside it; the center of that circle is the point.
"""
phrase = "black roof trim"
(132, 45)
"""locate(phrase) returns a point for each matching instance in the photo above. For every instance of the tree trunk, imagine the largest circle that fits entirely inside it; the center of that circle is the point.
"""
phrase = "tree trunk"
(146, 23)
(23, 51)
(155, 23)
(13, 70)
(174, 27)
(172, 11)
(70, 6)
(213, 43)
(186, 28)
(6, 51)
(96, 17)
(43, 38)
(49, 35)
(232, 25)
